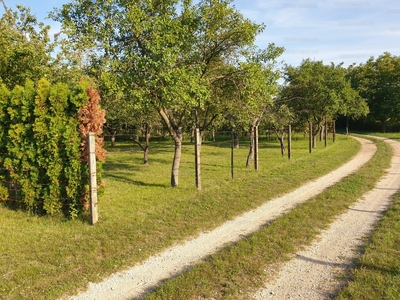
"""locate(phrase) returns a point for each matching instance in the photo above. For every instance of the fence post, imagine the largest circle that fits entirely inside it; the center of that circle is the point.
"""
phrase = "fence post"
(92, 178)
(310, 132)
(256, 148)
(197, 157)
(232, 148)
(289, 142)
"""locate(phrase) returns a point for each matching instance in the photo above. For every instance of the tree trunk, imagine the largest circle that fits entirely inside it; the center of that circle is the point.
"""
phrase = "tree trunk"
(236, 139)
(177, 159)
(147, 130)
(175, 131)
(250, 156)
(321, 132)
(113, 138)
(282, 142)
(281, 139)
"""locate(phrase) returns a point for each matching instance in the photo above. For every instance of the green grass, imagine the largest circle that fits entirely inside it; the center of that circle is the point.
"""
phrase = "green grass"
(377, 275)
(140, 214)
(235, 271)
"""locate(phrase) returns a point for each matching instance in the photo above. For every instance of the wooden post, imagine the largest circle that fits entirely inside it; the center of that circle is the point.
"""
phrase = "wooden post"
(255, 147)
(310, 136)
(334, 131)
(197, 146)
(232, 148)
(92, 178)
(289, 151)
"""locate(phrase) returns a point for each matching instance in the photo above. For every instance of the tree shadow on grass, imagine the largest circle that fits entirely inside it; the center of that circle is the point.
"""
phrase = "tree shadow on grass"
(125, 179)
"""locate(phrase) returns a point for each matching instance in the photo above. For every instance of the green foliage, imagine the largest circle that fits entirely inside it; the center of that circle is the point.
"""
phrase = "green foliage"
(170, 56)
(25, 47)
(41, 159)
(378, 82)
(317, 92)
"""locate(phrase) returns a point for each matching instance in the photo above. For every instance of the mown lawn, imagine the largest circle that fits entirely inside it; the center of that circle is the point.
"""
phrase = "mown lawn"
(140, 214)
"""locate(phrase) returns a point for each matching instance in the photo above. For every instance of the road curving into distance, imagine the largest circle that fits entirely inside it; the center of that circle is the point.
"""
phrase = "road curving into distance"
(135, 282)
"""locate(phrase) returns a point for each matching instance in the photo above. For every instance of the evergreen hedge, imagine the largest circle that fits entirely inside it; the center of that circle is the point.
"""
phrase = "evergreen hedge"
(43, 168)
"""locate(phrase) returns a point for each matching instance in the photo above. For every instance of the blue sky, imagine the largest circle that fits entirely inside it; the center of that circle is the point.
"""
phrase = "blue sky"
(331, 31)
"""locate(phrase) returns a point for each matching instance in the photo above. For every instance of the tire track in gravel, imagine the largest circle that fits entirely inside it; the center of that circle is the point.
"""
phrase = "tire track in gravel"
(315, 272)
(135, 282)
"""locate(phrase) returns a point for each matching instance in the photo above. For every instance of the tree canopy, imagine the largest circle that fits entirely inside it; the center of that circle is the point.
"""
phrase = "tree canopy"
(172, 55)
(378, 81)
(25, 47)
(317, 92)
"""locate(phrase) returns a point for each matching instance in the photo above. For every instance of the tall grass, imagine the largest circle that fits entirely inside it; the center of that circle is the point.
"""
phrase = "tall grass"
(140, 214)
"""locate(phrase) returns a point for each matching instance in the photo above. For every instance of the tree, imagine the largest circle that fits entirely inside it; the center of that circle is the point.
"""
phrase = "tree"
(279, 118)
(319, 92)
(162, 53)
(378, 82)
(25, 47)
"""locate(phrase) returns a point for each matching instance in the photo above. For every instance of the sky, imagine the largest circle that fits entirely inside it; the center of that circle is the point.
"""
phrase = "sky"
(329, 31)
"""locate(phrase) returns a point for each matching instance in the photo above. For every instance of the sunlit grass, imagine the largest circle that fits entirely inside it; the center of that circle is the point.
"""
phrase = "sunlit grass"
(235, 271)
(140, 214)
(377, 275)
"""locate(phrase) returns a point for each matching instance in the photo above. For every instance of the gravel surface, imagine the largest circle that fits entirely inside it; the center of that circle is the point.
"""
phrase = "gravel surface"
(135, 282)
(318, 271)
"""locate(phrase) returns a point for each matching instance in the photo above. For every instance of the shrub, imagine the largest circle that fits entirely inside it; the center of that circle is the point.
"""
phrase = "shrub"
(42, 167)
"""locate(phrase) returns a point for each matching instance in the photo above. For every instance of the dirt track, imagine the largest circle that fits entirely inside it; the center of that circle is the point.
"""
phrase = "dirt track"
(136, 281)
(313, 273)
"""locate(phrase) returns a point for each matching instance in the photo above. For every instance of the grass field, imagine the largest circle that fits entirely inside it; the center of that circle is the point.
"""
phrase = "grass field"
(140, 214)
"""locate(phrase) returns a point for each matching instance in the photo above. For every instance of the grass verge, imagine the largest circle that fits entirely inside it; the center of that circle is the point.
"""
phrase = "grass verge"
(47, 257)
(377, 275)
(240, 268)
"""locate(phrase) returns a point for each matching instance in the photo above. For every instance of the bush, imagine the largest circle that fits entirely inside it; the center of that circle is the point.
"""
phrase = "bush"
(42, 167)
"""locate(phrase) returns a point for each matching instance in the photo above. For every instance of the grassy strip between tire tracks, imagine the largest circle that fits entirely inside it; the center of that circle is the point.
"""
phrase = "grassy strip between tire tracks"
(238, 269)
(377, 275)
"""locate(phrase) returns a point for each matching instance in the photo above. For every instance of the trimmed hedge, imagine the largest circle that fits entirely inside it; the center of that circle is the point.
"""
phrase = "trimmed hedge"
(42, 144)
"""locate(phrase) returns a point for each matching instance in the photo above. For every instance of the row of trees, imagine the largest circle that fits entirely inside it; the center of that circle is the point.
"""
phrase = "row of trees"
(378, 82)
(179, 65)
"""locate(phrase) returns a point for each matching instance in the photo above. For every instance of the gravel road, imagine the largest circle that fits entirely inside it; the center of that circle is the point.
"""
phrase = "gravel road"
(310, 275)
(315, 272)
